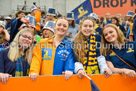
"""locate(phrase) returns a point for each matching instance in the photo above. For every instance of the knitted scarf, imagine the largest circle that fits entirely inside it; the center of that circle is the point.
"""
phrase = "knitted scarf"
(90, 60)
(20, 68)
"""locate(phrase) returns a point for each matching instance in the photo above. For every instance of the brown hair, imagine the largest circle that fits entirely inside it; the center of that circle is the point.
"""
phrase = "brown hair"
(121, 39)
(116, 20)
(73, 23)
(79, 40)
(19, 12)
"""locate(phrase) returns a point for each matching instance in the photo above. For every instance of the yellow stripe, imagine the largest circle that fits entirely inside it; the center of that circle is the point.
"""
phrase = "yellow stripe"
(18, 74)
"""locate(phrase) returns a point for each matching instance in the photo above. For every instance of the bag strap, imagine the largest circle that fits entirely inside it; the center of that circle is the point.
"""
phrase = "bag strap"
(124, 61)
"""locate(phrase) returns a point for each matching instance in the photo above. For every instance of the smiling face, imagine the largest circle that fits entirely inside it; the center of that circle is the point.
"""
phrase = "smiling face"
(21, 15)
(25, 40)
(61, 27)
(114, 21)
(87, 28)
(46, 33)
(110, 35)
(70, 21)
(50, 17)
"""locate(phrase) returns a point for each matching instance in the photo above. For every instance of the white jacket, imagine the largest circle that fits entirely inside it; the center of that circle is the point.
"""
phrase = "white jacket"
(101, 63)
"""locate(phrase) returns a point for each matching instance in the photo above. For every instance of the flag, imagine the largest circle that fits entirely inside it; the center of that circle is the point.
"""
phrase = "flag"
(84, 9)
(94, 86)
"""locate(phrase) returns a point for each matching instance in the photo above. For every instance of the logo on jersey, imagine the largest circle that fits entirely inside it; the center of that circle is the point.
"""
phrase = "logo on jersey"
(46, 54)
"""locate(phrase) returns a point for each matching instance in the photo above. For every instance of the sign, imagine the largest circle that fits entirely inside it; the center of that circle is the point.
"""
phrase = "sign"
(101, 7)
(58, 83)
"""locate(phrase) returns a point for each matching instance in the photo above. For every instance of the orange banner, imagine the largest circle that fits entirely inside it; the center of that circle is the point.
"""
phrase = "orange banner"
(101, 7)
(58, 83)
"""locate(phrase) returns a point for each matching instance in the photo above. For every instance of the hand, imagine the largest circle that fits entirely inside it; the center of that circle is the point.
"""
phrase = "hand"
(67, 74)
(33, 76)
(4, 77)
(5, 31)
(107, 72)
(24, 20)
(69, 34)
(128, 72)
(81, 73)
(35, 38)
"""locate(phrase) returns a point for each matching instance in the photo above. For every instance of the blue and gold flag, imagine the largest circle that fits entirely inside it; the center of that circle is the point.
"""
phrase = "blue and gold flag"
(94, 86)
(84, 9)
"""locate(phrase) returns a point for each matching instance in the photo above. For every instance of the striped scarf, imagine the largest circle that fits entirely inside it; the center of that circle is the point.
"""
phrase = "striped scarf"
(90, 60)
(20, 68)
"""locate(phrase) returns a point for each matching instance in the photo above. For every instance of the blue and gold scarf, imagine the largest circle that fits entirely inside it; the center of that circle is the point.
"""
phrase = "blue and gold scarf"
(90, 60)
(22, 69)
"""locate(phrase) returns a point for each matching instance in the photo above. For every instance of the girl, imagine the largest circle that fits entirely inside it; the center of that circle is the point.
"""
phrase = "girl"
(53, 56)
(115, 20)
(48, 29)
(120, 54)
(15, 60)
(73, 27)
(88, 54)
(4, 37)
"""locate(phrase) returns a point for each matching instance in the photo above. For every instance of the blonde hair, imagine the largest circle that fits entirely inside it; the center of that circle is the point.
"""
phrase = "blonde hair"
(3, 36)
(121, 39)
(14, 52)
(62, 18)
(79, 39)
(50, 35)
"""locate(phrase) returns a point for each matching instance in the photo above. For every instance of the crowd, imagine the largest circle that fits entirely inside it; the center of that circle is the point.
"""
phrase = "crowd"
(58, 46)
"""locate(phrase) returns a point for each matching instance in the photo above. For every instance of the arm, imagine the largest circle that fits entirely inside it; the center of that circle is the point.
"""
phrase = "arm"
(78, 66)
(69, 65)
(14, 28)
(3, 76)
(36, 62)
(102, 64)
(123, 71)
(79, 69)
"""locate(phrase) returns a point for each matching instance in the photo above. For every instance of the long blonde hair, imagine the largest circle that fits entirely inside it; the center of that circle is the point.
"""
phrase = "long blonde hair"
(14, 52)
(121, 39)
(79, 40)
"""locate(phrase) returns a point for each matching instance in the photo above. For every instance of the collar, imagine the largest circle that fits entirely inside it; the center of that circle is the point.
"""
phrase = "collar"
(64, 42)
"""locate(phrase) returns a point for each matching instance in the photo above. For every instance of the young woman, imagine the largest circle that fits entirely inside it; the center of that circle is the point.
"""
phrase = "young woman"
(115, 20)
(88, 54)
(4, 37)
(73, 27)
(15, 60)
(120, 54)
(54, 56)
(48, 29)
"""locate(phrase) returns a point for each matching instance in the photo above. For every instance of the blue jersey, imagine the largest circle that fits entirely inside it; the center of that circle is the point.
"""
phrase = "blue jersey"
(49, 60)
(127, 53)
